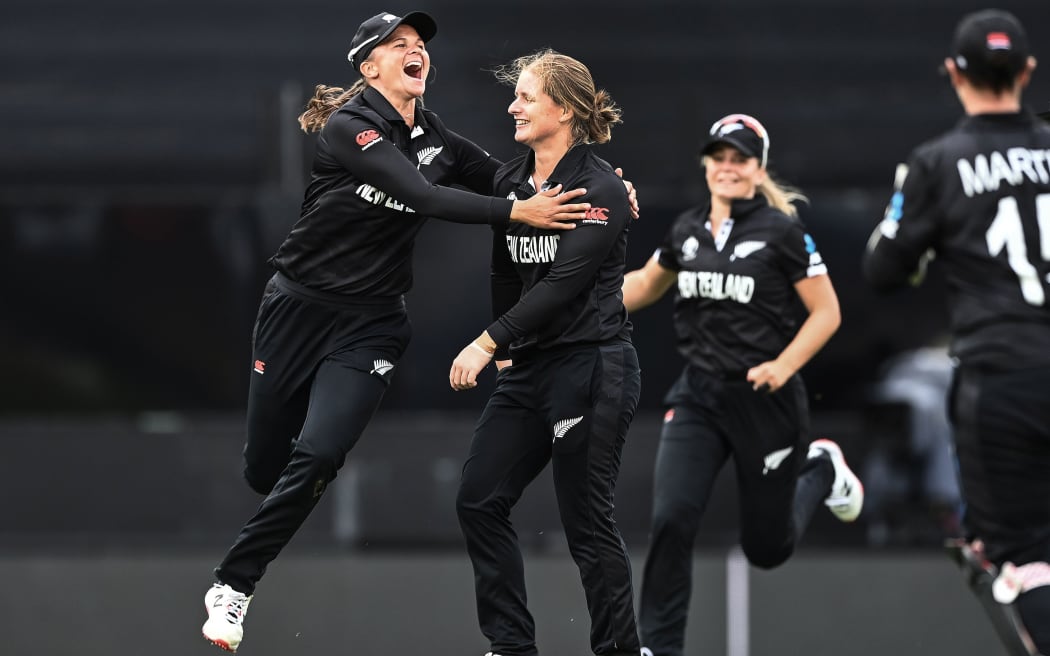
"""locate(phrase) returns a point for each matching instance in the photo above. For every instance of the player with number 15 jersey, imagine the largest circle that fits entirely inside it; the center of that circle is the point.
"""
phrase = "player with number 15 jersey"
(978, 200)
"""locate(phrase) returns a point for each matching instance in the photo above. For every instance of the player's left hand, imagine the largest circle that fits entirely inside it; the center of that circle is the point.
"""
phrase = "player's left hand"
(632, 194)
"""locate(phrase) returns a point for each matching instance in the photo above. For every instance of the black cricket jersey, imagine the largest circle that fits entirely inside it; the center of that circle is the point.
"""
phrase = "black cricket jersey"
(558, 288)
(374, 180)
(978, 197)
(736, 304)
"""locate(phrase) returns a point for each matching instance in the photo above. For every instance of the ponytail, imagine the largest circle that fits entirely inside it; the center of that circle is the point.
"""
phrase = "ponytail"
(325, 102)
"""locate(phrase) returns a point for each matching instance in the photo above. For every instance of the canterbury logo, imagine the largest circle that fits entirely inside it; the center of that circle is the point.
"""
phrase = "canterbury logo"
(562, 427)
(427, 155)
(774, 459)
(366, 138)
(381, 367)
(596, 214)
(259, 367)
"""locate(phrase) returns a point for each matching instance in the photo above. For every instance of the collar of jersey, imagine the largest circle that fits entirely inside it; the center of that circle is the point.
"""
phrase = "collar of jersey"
(742, 207)
(562, 172)
(382, 106)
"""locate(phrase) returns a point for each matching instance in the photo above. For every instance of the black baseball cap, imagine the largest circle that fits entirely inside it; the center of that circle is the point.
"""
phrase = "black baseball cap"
(373, 31)
(990, 45)
(742, 132)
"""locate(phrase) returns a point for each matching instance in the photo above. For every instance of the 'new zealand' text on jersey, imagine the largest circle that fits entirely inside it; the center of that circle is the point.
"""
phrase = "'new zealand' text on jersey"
(979, 198)
(558, 288)
(736, 304)
(374, 180)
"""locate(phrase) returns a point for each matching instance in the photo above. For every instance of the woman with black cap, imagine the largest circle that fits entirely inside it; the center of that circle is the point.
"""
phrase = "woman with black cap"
(978, 199)
(740, 263)
(332, 324)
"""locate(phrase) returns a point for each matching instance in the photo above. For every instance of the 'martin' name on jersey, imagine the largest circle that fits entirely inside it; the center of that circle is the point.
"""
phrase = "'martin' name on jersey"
(987, 173)
(712, 284)
(528, 250)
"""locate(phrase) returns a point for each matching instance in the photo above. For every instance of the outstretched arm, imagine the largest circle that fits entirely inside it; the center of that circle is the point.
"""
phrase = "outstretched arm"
(551, 209)
(643, 287)
(362, 150)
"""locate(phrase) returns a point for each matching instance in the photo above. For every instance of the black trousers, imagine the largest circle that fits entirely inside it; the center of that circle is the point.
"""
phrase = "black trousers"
(1002, 435)
(321, 365)
(572, 410)
(767, 435)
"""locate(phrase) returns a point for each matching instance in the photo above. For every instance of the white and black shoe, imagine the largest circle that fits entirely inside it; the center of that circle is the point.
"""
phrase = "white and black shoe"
(847, 492)
(226, 609)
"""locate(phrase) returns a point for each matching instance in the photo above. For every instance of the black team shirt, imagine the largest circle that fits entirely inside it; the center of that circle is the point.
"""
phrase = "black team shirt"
(978, 197)
(373, 183)
(736, 304)
(553, 289)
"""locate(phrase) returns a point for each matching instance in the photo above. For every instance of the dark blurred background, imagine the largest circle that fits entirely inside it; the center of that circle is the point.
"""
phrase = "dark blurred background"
(150, 163)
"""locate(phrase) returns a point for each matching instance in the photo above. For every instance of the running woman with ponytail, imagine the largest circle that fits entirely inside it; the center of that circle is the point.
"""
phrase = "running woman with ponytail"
(740, 264)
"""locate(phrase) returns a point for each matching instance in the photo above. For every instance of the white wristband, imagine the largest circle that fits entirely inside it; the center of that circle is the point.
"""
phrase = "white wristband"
(480, 348)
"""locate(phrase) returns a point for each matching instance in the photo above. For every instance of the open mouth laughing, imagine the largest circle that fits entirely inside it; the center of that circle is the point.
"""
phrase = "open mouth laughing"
(414, 69)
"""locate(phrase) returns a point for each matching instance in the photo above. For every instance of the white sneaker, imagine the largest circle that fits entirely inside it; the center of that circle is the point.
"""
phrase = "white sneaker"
(847, 492)
(226, 608)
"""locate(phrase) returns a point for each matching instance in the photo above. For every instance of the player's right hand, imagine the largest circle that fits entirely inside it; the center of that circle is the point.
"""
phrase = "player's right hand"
(465, 368)
(551, 209)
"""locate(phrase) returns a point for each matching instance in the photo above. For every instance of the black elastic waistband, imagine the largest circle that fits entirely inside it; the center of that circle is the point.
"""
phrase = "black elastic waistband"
(531, 353)
(292, 288)
(739, 375)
